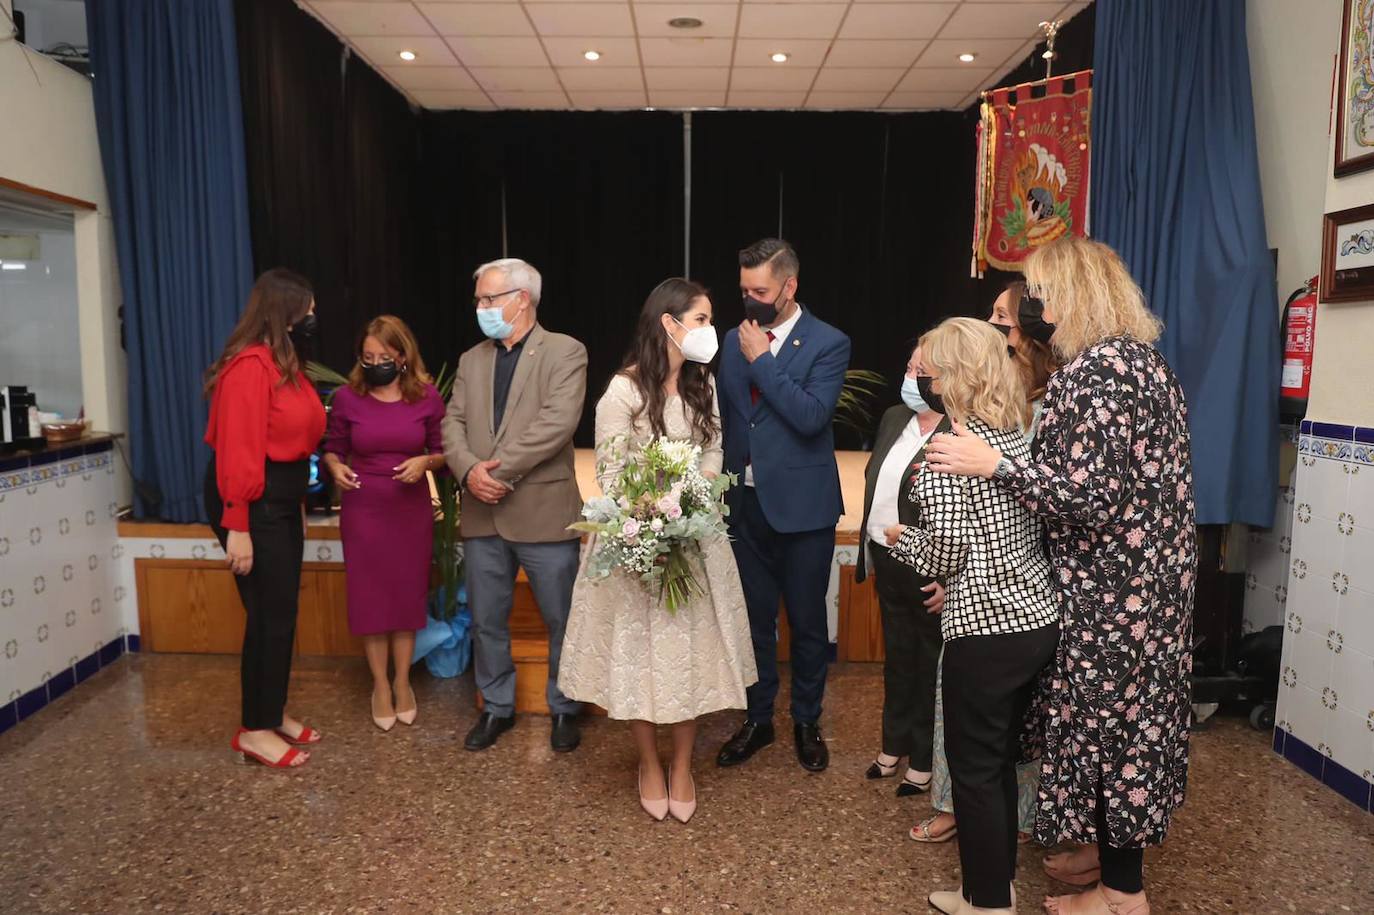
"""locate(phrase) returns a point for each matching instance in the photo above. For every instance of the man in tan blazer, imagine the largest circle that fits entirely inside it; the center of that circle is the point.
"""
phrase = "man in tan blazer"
(517, 398)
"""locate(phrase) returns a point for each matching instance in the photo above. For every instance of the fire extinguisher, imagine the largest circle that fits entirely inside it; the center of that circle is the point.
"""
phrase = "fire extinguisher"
(1299, 335)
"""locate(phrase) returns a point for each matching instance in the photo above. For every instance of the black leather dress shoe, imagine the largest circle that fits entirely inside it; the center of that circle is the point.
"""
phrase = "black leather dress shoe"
(811, 750)
(566, 734)
(486, 730)
(748, 740)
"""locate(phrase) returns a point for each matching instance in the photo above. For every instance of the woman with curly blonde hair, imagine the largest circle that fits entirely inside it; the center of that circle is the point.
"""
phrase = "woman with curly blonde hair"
(1000, 624)
(1111, 475)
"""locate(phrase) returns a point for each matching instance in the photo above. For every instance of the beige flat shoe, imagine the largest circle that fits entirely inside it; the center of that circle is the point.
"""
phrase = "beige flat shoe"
(654, 807)
(952, 902)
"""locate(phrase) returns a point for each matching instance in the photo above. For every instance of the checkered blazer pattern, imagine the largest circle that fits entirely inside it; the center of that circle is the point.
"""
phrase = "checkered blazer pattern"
(984, 545)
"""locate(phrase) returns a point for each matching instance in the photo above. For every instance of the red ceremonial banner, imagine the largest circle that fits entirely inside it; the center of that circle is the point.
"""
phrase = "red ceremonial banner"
(1032, 173)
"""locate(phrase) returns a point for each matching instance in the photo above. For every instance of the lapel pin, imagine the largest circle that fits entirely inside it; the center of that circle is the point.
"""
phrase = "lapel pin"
(796, 343)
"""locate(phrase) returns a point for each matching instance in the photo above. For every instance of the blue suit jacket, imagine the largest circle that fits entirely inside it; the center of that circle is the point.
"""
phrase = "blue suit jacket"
(787, 436)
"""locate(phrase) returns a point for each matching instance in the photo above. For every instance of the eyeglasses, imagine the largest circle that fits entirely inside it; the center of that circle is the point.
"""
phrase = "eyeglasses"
(486, 301)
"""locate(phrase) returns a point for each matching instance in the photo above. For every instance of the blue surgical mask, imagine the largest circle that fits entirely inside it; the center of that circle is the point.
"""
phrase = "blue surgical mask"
(911, 395)
(493, 322)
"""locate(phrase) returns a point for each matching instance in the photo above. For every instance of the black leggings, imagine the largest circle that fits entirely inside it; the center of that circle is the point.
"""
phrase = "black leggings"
(1123, 869)
(271, 591)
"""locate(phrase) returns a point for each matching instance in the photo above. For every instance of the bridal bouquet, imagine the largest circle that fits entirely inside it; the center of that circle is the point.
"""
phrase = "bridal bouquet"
(656, 512)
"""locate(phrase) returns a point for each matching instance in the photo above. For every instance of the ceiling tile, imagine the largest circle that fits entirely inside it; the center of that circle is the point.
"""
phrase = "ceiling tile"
(686, 78)
(999, 20)
(895, 52)
(944, 52)
(895, 20)
(499, 52)
(350, 17)
(615, 52)
(923, 100)
(790, 20)
(686, 52)
(845, 99)
(599, 19)
(854, 79)
(583, 78)
(801, 52)
(944, 79)
(770, 78)
(609, 99)
(680, 98)
(442, 98)
(430, 77)
(530, 99)
(516, 79)
(747, 99)
(717, 19)
(474, 19)
(385, 51)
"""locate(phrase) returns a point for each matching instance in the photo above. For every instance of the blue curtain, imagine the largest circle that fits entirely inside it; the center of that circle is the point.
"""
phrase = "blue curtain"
(1176, 190)
(171, 136)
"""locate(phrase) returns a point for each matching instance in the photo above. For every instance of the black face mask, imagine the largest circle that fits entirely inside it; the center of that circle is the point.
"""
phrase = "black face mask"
(304, 331)
(381, 374)
(933, 400)
(1030, 314)
(762, 312)
(1006, 332)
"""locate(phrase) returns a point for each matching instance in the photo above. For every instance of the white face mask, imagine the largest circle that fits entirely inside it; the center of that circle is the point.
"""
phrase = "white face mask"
(700, 343)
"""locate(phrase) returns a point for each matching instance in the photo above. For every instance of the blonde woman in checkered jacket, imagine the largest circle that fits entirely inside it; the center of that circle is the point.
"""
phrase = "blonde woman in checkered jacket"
(1000, 622)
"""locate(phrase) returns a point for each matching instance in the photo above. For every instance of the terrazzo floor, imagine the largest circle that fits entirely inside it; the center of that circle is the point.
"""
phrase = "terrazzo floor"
(123, 796)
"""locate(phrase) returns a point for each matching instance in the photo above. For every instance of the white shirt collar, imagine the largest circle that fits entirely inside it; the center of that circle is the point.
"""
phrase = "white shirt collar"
(781, 331)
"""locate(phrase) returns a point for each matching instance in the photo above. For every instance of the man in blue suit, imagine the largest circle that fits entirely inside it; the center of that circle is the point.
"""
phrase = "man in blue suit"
(781, 372)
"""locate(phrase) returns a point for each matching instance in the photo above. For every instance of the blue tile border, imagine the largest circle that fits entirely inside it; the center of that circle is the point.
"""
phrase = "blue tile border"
(1356, 447)
(132, 643)
(1364, 436)
(1330, 773)
(1347, 784)
(56, 463)
(1305, 427)
(61, 683)
(1337, 431)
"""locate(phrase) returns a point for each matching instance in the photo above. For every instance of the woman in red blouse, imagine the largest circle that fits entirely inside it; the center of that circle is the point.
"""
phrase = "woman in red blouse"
(265, 421)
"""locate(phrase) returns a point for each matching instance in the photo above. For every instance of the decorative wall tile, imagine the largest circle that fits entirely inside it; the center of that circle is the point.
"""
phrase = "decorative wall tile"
(1326, 691)
(47, 583)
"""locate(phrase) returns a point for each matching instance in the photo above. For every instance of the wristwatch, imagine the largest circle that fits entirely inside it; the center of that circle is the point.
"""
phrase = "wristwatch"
(1004, 469)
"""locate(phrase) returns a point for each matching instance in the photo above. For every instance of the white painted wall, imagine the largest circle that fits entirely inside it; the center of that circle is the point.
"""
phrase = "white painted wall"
(1292, 46)
(48, 140)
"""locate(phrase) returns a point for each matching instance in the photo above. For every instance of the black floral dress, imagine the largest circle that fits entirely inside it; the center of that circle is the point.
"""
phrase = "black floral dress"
(1111, 475)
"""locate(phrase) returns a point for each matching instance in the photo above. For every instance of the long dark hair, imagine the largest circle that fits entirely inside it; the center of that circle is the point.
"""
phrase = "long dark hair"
(1036, 361)
(646, 362)
(279, 299)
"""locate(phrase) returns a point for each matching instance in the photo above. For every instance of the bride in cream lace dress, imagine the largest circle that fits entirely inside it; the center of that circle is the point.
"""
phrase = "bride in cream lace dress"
(623, 650)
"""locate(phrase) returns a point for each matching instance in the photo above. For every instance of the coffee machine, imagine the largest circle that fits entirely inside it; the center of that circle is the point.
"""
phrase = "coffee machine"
(19, 425)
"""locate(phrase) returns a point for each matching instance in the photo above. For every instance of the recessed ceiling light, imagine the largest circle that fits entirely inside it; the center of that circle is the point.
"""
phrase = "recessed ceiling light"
(592, 55)
(407, 55)
(685, 22)
(967, 57)
(779, 58)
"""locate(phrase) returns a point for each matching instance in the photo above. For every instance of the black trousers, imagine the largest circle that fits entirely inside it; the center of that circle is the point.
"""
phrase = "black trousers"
(988, 682)
(911, 646)
(793, 568)
(271, 591)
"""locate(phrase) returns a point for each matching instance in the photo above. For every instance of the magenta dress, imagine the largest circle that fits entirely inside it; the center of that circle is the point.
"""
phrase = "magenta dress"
(387, 526)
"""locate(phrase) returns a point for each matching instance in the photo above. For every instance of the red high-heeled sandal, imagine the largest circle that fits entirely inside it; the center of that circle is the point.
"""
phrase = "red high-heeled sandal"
(287, 760)
(307, 736)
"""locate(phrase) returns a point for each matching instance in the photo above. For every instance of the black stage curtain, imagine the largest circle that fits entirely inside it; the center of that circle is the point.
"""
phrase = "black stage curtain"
(592, 199)
(390, 209)
(335, 183)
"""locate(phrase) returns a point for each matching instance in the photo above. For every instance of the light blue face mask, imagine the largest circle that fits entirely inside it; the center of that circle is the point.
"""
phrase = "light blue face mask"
(493, 322)
(911, 395)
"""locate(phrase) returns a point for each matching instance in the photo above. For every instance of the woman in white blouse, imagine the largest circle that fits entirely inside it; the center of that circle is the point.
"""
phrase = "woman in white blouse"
(623, 650)
(908, 601)
(1000, 622)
